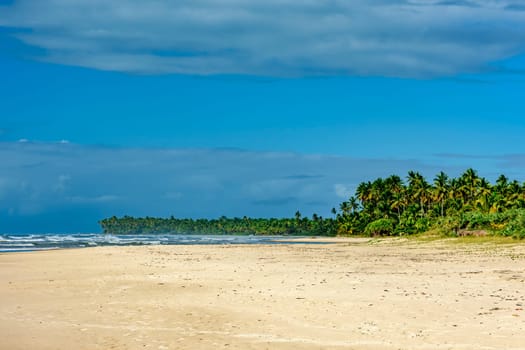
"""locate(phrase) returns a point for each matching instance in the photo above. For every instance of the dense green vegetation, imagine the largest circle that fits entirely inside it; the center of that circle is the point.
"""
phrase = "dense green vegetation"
(465, 205)
(455, 206)
(287, 226)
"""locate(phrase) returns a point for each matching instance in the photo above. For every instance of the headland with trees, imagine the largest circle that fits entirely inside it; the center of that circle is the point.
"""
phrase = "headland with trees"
(466, 205)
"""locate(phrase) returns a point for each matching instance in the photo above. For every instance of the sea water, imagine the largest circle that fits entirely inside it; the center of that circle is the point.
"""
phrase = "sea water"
(32, 242)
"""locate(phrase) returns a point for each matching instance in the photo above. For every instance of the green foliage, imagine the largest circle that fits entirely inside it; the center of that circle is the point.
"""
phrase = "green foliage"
(381, 207)
(516, 225)
(476, 220)
(222, 226)
(447, 205)
(379, 227)
(509, 223)
(422, 224)
(448, 225)
(406, 224)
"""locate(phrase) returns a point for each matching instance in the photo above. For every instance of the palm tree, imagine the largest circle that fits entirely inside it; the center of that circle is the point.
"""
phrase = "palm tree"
(353, 203)
(501, 184)
(395, 189)
(398, 204)
(485, 194)
(470, 181)
(455, 194)
(441, 190)
(418, 189)
(394, 184)
(377, 190)
(514, 194)
(363, 192)
(345, 208)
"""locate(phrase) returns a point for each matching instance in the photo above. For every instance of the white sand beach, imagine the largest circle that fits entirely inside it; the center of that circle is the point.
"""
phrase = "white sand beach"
(353, 294)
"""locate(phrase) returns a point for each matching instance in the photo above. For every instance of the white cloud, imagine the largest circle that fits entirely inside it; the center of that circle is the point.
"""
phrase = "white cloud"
(342, 191)
(401, 38)
(93, 200)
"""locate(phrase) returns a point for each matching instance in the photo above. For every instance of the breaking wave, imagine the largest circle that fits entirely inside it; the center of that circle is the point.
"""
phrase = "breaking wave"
(32, 242)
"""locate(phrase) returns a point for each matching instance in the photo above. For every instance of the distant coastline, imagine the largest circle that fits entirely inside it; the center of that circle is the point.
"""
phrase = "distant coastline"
(463, 206)
(298, 226)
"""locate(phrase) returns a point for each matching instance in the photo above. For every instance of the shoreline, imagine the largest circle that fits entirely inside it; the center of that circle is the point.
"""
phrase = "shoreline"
(384, 294)
(35, 242)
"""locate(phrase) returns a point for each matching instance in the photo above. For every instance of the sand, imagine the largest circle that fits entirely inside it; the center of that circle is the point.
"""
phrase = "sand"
(353, 294)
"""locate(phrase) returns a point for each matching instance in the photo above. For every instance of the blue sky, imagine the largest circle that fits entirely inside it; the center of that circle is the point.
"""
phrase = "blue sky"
(205, 108)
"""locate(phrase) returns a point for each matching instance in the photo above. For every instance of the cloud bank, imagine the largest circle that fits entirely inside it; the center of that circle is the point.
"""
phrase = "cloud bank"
(394, 38)
(66, 187)
(69, 187)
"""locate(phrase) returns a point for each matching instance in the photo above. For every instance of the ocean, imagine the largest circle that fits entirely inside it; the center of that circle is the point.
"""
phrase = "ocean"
(49, 241)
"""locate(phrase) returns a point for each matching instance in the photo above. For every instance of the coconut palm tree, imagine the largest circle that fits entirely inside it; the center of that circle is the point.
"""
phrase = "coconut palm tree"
(441, 190)
(514, 194)
(484, 196)
(363, 192)
(418, 189)
(353, 203)
(470, 183)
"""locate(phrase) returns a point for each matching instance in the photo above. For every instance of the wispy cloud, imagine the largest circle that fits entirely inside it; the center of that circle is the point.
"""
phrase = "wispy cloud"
(97, 199)
(464, 156)
(494, 157)
(401, 38)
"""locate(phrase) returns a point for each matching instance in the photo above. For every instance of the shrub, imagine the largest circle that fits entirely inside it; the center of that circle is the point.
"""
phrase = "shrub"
(380, 227)
(406, 224)
(448, 225)
(476, 220)
(516, 226)
(422, 225)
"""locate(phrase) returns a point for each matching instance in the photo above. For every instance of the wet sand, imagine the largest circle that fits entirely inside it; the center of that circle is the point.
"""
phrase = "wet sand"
(353, 294)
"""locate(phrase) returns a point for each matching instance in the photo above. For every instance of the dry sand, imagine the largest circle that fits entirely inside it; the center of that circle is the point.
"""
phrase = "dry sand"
(352, 294)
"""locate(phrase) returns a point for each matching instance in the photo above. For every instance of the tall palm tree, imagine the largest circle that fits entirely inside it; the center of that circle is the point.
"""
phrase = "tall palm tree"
(363, 192)
(514, 194)
(353, 203)
(501, 184)
(345, 208)
(418, 189)
(485, 194)
(395, 189)
(394, 184)
(441, 190)
(470, 181)
(398, 204)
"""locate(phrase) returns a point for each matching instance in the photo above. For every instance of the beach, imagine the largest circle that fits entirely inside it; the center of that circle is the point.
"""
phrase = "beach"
(349, 294)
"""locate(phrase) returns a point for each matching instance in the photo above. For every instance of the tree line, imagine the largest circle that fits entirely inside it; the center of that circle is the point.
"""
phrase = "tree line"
(298, 225)
(469, 202)
(385, 206)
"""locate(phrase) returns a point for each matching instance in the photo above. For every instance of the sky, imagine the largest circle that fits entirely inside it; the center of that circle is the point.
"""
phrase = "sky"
(201, 108)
